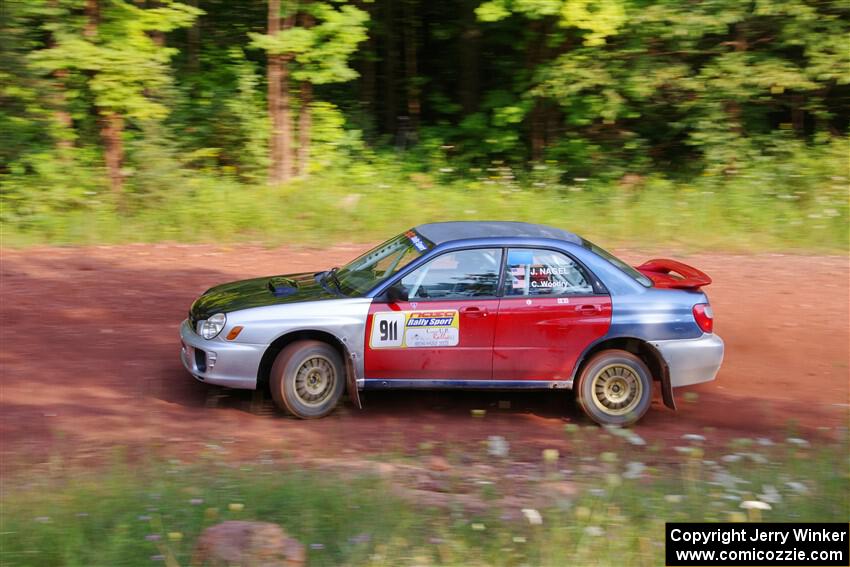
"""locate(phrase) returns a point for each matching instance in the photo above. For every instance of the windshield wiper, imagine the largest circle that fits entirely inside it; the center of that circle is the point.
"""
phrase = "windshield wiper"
(323, 277)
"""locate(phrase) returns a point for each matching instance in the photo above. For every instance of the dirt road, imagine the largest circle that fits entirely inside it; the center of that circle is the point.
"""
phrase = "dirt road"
(90, 360)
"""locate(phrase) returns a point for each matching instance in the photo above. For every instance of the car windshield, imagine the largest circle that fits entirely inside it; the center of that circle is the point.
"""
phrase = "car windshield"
(360, 275)
(629, 271)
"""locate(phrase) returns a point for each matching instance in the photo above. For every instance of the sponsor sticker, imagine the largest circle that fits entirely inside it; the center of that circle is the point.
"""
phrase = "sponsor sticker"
(415, 329)
(416, 241)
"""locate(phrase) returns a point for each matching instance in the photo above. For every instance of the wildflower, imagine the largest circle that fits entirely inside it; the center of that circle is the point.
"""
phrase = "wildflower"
(770, 494)
(235, 506)
(175, 536)
(693, 437)
(153, 537)
(755, 505)
(497, 446)
(533, 516)
(478, 527)
(764, 441)
(613, 480)
(594, 531)
(550, 455)
(196, 501)
(317, 546)
(797, 487)
(478, 412)
(157, 557)
(519, 539)
(144, 518)
(731, 458)
(673, 498)
(737, 517)
(635, 439)
(582, 513)
(608, 457)
(360, 538)
(571, 428)
(211, 513)
(634, 470)
(797, 441)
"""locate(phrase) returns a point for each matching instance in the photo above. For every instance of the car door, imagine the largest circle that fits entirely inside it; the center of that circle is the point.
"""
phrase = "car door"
(548, 314)
(444, 329)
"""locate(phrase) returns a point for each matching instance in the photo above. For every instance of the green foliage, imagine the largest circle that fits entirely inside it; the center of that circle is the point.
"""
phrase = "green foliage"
(737, 109)
(136, 513)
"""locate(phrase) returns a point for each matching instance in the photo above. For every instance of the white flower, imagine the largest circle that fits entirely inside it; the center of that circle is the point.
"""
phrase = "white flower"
(731, 458)
(797, 487)
(693, 437)
(533, 516)
(635, 439)
(497, 446)
(673, 498)
(770, 494)
(797, 441)
(755, 505)
(634, 470)
(594, 531)
(764, 441)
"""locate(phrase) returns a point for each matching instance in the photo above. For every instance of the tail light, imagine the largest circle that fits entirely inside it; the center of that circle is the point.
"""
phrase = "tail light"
(704, 317)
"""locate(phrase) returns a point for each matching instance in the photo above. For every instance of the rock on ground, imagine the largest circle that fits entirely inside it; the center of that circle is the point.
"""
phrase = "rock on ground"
(248, 544)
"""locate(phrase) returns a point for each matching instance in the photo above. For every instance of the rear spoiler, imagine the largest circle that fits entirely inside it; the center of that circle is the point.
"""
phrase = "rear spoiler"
(672, 274)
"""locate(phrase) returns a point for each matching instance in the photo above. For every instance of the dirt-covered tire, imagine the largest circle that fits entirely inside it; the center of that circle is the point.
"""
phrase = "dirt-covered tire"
(307, 379)
(614, 388)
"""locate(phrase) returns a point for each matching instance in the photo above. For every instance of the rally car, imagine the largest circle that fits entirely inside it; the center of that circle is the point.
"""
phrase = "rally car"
(471, 305)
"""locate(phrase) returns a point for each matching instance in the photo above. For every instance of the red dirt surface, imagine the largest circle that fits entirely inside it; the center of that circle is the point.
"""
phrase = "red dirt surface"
(90, 361)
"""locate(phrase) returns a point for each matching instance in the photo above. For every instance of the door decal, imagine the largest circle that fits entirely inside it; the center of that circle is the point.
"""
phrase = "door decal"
(415, 329)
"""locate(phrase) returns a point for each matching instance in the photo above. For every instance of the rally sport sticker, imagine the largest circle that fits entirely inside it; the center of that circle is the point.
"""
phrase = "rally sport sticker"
(415, 329)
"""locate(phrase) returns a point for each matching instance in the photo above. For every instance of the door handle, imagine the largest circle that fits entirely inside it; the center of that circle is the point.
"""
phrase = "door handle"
(474, 311)
(589, 308)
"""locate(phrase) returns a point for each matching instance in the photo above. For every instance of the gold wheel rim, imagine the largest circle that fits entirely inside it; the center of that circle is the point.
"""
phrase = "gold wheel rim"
(314, 381)
(616, 389)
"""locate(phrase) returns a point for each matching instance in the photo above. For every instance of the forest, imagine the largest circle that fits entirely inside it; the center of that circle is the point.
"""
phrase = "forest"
(713, 122)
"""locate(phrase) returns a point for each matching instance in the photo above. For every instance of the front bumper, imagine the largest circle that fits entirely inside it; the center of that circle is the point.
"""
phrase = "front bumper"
(219, 362)
(692, 361)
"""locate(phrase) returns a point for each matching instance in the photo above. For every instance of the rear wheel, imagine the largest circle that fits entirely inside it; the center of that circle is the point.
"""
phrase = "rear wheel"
(307, 379)
(615, 388)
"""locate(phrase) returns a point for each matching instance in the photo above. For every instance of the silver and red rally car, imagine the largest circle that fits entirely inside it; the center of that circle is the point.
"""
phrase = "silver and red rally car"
(489, 305)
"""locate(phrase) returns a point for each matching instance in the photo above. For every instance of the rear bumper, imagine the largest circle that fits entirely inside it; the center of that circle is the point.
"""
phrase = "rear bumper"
(218, 362)
(692, 361)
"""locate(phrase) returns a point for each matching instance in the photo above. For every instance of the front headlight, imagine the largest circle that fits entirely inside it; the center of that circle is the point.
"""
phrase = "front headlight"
(213, 326)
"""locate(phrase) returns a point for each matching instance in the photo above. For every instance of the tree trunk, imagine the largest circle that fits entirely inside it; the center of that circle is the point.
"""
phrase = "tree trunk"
(193, 41)
(305, 123)
(278, 103)
(59, 102)
(390, 56)
(367, 57)
(470, 60)
(111, 123)
(112, 128)
(411, 25)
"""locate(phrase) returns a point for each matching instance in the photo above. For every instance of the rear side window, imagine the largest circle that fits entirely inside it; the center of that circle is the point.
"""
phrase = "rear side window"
(535, 272)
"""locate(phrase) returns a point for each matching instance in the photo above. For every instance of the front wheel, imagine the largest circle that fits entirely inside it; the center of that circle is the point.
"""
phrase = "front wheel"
(307, 379)
(615, 388)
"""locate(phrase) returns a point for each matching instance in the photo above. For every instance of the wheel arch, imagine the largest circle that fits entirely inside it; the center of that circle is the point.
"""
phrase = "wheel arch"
(643, 350)
(286, 339)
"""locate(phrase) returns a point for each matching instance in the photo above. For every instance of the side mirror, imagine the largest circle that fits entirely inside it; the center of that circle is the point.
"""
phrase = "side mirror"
(397, 293)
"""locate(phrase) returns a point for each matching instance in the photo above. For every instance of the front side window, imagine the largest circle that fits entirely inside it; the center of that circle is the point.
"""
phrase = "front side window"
(456, 275)
(532, 272)
(364, 273)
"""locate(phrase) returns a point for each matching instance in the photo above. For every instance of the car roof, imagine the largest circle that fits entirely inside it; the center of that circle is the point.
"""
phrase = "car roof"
(440, 232)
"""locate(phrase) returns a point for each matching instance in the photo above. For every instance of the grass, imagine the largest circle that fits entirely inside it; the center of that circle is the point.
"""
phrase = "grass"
(143, 514)
(759, 210)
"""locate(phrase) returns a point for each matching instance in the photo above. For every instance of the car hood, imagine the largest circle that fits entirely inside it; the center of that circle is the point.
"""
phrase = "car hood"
(259, 292)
